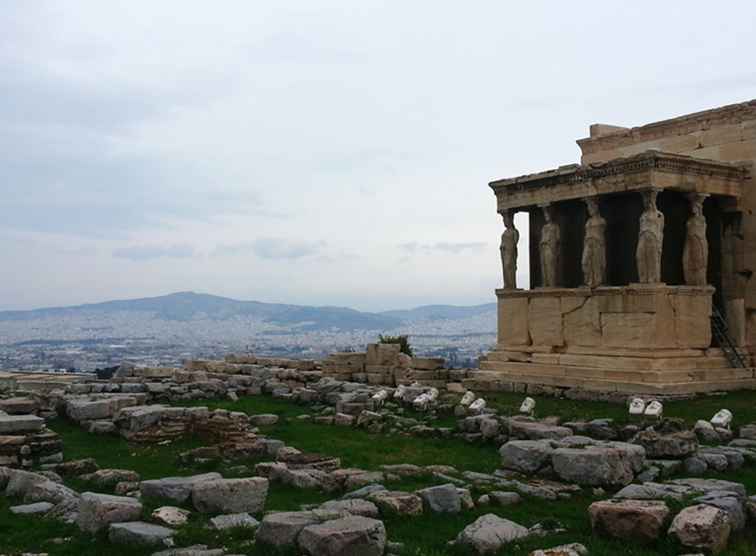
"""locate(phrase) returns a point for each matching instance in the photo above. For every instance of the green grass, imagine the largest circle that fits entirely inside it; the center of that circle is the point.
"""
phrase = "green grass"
(150, 461)
(742, 404)
(358, 448)
(425, 535)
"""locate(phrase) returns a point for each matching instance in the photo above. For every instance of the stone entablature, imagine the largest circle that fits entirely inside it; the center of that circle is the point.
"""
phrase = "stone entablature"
(641, 317)
(700, 130)
(648, 170)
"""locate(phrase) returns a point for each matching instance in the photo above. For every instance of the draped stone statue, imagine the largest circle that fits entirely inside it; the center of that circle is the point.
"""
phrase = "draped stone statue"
(549, 249)
(696, 250)
(594, 247)
(650, 238)
(508, 249)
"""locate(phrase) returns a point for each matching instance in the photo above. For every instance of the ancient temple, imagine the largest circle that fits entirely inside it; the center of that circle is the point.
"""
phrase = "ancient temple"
(641, 259)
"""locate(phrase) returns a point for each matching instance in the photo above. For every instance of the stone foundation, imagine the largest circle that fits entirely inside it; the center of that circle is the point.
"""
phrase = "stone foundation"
(632, 339)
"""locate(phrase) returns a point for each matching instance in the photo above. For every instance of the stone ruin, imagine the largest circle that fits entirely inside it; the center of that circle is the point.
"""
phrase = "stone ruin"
(639, 263)
(541, 458)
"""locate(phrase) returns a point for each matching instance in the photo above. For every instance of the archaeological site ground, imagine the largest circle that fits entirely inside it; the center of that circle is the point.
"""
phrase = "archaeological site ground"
(615, 416)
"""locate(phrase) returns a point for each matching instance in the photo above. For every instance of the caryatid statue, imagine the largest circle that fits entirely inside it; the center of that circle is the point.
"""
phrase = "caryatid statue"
(549, 249)
(696, 250)
(650, 238)
(594, 247)
(509, 240)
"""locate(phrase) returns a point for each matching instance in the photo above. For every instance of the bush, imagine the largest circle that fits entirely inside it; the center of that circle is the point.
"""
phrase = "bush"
(403, 342)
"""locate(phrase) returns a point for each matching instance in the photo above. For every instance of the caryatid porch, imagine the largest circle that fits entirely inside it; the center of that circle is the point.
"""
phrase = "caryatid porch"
(626, 260)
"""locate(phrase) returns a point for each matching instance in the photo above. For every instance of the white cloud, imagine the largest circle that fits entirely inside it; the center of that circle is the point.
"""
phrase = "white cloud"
(148, 252)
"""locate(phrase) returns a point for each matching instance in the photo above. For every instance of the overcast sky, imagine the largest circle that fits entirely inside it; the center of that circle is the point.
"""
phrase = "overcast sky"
(316, 152)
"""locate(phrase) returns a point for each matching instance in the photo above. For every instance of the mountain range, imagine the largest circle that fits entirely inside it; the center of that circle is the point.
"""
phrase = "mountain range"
(184, 306)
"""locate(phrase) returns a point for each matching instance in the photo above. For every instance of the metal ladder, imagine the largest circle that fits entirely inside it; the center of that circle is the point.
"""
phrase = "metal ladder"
(721, 333)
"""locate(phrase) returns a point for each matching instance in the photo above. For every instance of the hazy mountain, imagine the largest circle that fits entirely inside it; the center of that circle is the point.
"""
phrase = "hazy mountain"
(440, 312)
(184, 306)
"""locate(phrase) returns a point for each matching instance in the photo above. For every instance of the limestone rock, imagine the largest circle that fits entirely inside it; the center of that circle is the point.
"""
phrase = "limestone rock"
(15, 424)
(605, 466)
(344, 537)
(177, 489)
(442, 498)
(504, 498)
(263, 419)
(194, 550)
(108, 478)
(97, 511)
(676, 445)
(525, 456)
(31, 509)
(231, 495)
(355, 506)
(635, 520)
(701, 527)
(489, 533)
(281, 529)
(730, 503)
(139, 533)
(171, 515)
(573, 549)
(234, 521)
(528, 429)
(397, 502)
(49, 491)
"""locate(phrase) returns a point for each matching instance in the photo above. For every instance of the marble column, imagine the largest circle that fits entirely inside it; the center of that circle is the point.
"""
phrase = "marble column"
(508, 250)
(648, 254)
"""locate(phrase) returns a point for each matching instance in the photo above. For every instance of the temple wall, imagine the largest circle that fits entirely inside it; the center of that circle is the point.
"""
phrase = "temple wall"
(632, 317)
(726, 134)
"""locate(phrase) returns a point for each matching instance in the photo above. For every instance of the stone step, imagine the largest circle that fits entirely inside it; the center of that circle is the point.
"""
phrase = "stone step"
(20, 424)
(630, 363)
(652, 376)
(505, 381)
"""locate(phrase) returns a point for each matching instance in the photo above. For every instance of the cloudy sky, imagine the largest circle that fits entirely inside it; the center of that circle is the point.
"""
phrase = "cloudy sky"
(316, 152)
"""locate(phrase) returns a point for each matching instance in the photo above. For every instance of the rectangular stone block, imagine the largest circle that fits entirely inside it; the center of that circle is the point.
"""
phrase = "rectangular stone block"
(12, 424)
(627, 329)
(692, 321)
(513, 321)
(382, 354)
(545, 321)
(19, 406)
(582, 322)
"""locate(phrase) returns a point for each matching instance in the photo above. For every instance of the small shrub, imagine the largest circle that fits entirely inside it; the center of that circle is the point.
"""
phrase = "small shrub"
(403, 341)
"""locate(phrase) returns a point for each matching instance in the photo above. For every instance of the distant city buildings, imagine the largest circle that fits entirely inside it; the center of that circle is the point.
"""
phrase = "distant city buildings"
(89, 341)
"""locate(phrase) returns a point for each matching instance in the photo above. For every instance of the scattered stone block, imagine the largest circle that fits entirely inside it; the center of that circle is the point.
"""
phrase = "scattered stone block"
(354, 506)
(230, 495)
(344, 537)
(31, 509)
(97, 511)
(177, 489)
(397, 502)
(633, 520)
(139, 533)
(171, 516)
(490, 533)
(442, 498)
(234, 521)
(701, 527)
(20, 424)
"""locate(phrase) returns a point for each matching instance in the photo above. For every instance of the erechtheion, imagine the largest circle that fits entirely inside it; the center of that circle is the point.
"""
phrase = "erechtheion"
(640, 261)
